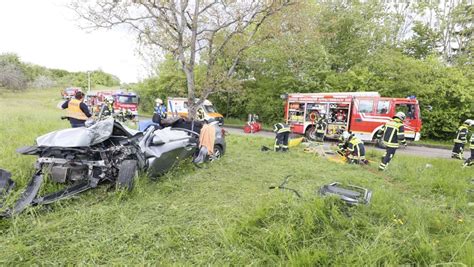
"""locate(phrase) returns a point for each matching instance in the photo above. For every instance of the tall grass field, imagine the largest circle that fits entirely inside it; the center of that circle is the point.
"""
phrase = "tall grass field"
(421, 211)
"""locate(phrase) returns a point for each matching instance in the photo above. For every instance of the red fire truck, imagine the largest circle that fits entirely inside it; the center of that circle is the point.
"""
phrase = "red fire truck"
(125, 102)
(362, 113)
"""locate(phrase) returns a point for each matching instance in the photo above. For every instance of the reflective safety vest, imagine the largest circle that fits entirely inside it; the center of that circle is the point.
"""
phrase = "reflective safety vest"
(461, 134)
(353, 142)
(471, 146)
(74, 110)
(393, 133)
(280, 128)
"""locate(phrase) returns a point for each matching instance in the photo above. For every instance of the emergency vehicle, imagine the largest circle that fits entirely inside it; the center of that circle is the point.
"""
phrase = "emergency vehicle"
(69, 92)
(123, 102)
(362, 113)
(179, 106)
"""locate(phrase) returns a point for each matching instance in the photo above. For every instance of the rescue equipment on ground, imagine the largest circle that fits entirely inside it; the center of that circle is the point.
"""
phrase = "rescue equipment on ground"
(282, 186)
(252, 125)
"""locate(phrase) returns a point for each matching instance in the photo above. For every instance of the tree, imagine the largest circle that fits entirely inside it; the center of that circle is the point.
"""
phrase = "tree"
(422, 43)
(192, 31)
(12, 74)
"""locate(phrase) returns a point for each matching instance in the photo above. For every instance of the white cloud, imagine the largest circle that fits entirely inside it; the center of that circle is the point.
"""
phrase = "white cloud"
(45, 33)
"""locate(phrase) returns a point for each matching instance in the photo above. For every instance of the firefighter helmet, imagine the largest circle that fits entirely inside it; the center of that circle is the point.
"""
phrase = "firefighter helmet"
(346, 135)
(400, 115)
(469, 122)
(158, 101)
(322, 113)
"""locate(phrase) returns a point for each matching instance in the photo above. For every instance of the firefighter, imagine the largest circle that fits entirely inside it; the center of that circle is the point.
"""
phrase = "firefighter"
(356, 150)
(460, 141)
(321, 127)
(392, 134)
(109, 104)
(353, 147)
(342, 144)
(160, 111)
(470, 161)
(77, 110)
(281, 139)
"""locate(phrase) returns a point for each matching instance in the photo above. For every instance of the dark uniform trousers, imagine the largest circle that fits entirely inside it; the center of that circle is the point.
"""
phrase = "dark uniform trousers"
(281, 141)
(387, 157)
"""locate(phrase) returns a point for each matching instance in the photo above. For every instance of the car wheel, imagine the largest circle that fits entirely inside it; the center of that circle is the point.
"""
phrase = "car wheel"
(218, 152)
(128, 170)
(311, 133)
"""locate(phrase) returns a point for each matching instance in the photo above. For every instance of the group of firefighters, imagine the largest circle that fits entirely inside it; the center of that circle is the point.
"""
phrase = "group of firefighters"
(78, 112)
(392, 135)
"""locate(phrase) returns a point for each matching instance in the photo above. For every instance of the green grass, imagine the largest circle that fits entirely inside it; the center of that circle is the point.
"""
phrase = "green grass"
(224, 214)
(438, 143)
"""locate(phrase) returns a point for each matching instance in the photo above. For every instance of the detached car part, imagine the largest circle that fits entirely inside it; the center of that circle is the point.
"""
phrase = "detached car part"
(6, 184)
(351, 194)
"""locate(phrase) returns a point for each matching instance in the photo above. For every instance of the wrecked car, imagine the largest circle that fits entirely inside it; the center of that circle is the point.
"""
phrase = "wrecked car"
(82, 158)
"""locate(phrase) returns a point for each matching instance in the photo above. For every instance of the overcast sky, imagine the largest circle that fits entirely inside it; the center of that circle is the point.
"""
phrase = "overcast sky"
(44, 32)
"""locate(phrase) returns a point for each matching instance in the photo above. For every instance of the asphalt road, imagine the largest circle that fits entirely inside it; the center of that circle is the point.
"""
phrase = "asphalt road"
(410, 150)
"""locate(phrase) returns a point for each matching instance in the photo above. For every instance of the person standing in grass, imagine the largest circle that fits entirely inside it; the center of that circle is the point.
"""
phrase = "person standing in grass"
(470, 161)
(321, 127)
(460, 140)
(281, 139)
(77, 110)
(392, 134)
(160, 111)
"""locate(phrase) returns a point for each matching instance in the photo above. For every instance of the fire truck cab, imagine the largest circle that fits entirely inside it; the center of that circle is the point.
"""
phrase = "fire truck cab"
(362, 113)
(123, 102)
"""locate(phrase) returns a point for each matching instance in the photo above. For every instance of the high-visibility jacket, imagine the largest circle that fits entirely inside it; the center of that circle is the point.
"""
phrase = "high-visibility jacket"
(393, 133)
(280, 128)
(74, 110)
(461, 134)
(353, 142)
(471, 146)
(321, 126)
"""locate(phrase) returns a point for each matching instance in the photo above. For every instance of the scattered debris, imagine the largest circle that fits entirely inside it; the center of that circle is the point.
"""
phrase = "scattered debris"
(283, 187)
(351, 194)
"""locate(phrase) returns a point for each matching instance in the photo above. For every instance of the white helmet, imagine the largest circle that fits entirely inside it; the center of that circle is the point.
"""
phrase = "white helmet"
(109, 98)
(346, 135)
(469, 122)
(158, 101)
(400, 115)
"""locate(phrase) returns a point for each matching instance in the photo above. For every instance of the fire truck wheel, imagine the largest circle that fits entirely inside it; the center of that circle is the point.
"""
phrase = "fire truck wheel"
(311, 133)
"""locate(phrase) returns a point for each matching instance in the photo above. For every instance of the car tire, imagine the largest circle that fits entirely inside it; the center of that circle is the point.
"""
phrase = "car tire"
(218, 152)
(128, 171)
(311, 133)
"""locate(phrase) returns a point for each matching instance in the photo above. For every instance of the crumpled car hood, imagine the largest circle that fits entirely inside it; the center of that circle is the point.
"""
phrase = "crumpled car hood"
(78, 137)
